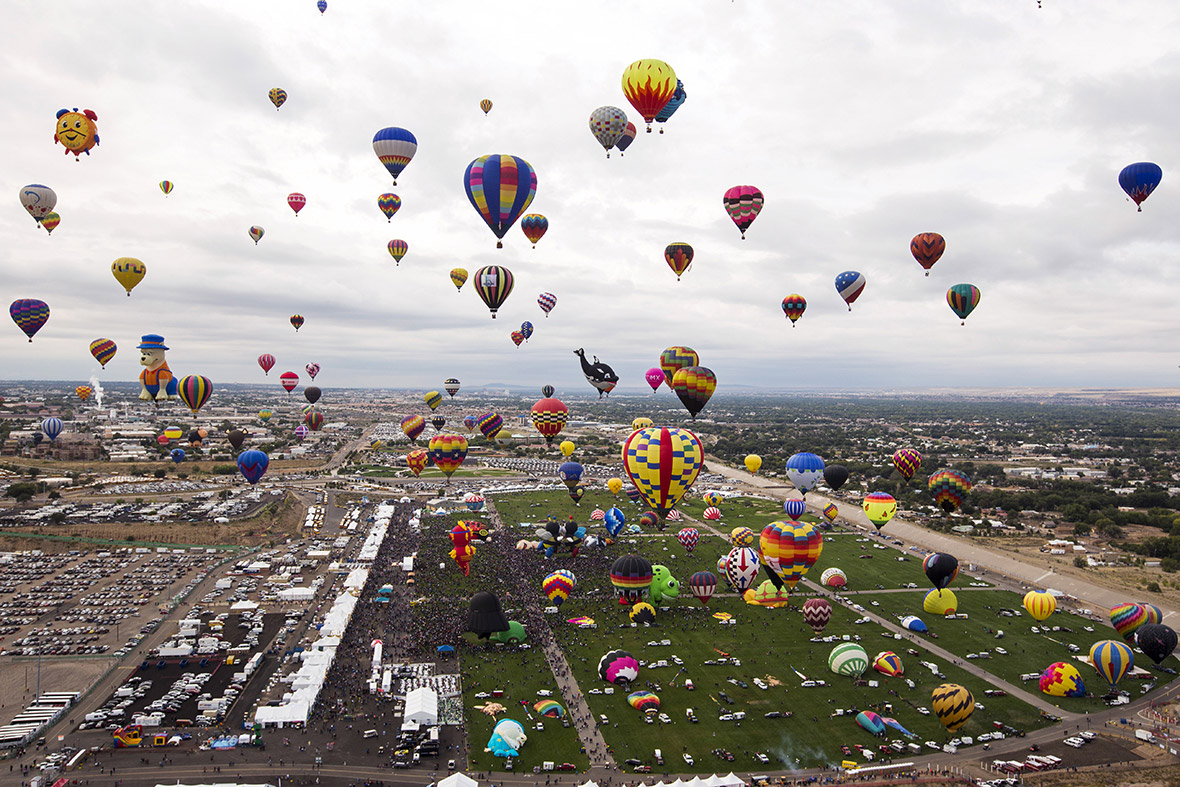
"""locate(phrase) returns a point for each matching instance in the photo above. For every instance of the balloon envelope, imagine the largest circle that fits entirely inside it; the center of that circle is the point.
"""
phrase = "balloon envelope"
(662, 463)
(500, 188)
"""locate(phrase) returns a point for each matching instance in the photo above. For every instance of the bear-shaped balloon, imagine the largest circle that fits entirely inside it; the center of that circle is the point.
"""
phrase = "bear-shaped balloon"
(156, 380)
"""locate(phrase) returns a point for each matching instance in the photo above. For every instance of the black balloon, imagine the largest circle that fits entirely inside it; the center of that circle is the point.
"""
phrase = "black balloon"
(835, 476)
(1156, 640)
(38, 437)
(312, 393)
(438, 422)
(598, 374)
(941, 569)
(236, 438)
(484, 616)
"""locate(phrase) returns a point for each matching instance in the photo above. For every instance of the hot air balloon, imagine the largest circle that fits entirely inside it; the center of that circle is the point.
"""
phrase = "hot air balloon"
(173, 433)
(618, 667)
(613, 520)
(963, 298)
(288, 380)
(278, 97)
(794, 508)
(236, 438)
(50, 222)
(835, 476)
(952, 704)
(649, 85)
(534, 226)
(389, 204)
(302, 431)
(494, 283)
(570, 473)
(486, 106)
(397, 250)
(654, 378)
(549, 418)
(688, 538)
(1156, 640)
(1112, 660)
(194, 391)
(103, 351)
(941, 569)
(950, 489)
(906, 461)
(702, 584)
(1040, 604)
(1062, 680)
(607, 124)
(417, 460)
(267, 362)
(433, 399)
(1154, 613)
(793, 307)
(615, 485)
(741, 568)
(38, 200)
(848, 658)
(674, 359)
(753, 463)
(850, 284)
(870, 721)
(412, 426)
(166, 187)
(927, 248)
(76, 131)
(322, 5)
(912, 623)
(447, 452)
(678, 257)
(438, 422)
(662, 463)
(312, 370)
(256, 234)
(83, 392)
(484, 615)
(789, 549)
(643, 614)
(546, 301)
(312, 393)
(627, 138)
(694, 385)
(1126, 618)
(598, 374)
(265, 415)
(394, 148)
(743, 537)
(129, 272)
(743, 204)
(51, 427)
(558, 585)
(816, 613)
(253, 464)
(177, 455)
(678, 98)
(458, 278)
(489, 425)
(29, 314)
(526, 329)
(297, 322)
(940, 602)
(451, 386)
(500, 188)
(830, 512)
(804, 470)
(631, 575)
(296, 202)
(879, 507)
(711, 514)
(469, 422)
(517, 338)
(1139, 180)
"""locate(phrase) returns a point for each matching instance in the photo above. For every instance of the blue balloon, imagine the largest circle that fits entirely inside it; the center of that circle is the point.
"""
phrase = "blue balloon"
(794, 508)
(177, 455)
(913, 624)
(52, 427)
(570, 472)
(805, 471)
(253, 464)
(613, 521)
(1139, 180)
(673, 104)
(526, 328)
(322, 5)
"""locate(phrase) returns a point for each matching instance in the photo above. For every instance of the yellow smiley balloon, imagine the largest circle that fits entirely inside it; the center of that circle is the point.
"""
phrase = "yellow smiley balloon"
(76, 131)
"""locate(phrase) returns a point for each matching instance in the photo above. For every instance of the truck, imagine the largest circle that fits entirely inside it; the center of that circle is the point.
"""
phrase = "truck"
(1145, 735)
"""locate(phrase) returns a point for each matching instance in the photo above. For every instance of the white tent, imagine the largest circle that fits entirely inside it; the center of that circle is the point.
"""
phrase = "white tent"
(243, 605)
(422, 706)
(296, 594)
(460, 780)
(587, 784)
(731, 781)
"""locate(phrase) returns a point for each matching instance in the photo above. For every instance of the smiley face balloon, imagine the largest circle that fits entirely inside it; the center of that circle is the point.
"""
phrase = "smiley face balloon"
(76, 131)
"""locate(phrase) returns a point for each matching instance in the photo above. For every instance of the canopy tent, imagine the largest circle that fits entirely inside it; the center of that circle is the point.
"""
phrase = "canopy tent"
(422, 706)
(459, 780)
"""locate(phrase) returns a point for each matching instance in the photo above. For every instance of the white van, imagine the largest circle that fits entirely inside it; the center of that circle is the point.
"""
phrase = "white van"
(369, 734)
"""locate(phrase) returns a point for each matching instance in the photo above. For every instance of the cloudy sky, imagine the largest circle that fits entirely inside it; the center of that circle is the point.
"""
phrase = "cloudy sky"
(999, 125)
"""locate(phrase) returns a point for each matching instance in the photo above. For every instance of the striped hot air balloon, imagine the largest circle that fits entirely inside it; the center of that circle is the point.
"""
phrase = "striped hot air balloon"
(789, 549)
(103, 351)
(743, 204)
(888, 663)
(906, 462)
(631, 575)
(447, 452)
(1126, 618)
(1040, 604)
(1112, 660)
(534, 226)
(500, 188)
(194, 391)
(29, 314)
(394, 148)
(952, 704)
(848, 658)
(389, 204)
(816, 613)
(662, 463)
(493, 284)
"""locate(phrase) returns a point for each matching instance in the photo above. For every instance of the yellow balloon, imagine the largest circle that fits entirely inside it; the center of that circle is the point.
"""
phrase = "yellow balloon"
(129, 272)
(940, 602)
(649, 85)
(753, 463)
(615, 485)
(1040, 604)
(953, 704)
(663, 463)
(641, 423)
(568, 447)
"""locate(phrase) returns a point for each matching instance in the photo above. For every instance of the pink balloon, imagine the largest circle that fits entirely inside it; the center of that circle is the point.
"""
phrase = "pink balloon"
(654, 377)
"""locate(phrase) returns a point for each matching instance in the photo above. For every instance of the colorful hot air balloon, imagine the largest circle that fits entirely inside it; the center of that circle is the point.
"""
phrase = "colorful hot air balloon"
(830, 512)
(549, 418)
(451, 386)
(940, 602)
(447, 452)
(173, 433)
(627, 138)
(607, 124)
(848, 658)
(644, 701)
(253, 464)
(394, 148)
(743, 204)
(1126, 618)
(794, 508)
(265, 415)
(790, 548)
(941, 569)
(166, 187)
(267, 362)
(288, 380)
(194, 391)
(489, 425)
(312, 370)
(546, 301)
(52, 427)
(649, 85)
(613, 520)
(177, 455)
(389, 204)
(129, 272)
(103, 351)
(907, 461)
(702, 584)
(277, 96)
(413, 426)
(952, 704)
(29, 314)
(83, 392)
(694, 385)
(1062, 680)
(688, 538)
(1139, 180)
(673, 359)
(296, 202)
(743, 537)
(469, 422)
(631, 575)
(618, 667)
(322, 5)
(949, 488)
(397, 250)
(741, 568)
(678, 98)
(314, 420)
(500, 189)
(486, 106)
(879, 507)
(256, 234)
(494, 283)
(927, 248)
(458, 278)
(753, 463)
(417, 460)
(558, 585)
(804, 470)
(1040, 604)
(50, 222)
(38, 200)
(76, 131)
(1154, 613)
(534, 226)
(570, 473)
(662, 463)
(963, 298)
(438, 422)
(1112, 660)
(301, 431)
(793, 307)
(850, 284)
(297, 322)
(816, 613)
(433, 399)
(888, 663)
(526, 329)
(678, 257)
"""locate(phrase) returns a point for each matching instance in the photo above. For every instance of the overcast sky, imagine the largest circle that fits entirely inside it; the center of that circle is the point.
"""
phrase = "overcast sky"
(997, 124)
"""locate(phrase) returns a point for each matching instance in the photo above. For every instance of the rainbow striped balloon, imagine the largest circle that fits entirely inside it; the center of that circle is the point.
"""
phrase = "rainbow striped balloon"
(194, 391)
(789, 549)
(1126, 618)
(500, 188)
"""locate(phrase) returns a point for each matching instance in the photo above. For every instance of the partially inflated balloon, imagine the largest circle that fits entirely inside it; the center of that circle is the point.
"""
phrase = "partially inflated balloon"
(649, 85)
(500, 188)
(907, 461)
(927, 248)
(679, 258)
(458, 278)
(494, 283)
(394, 148)
(641, 423)
(1062, 680)
(1139, 180)
(694, 385)
(879, 507)
(753, 463)
(743, 204)
(940, 602)
(103, 351)
(963, 298)
(1156, 640)
(129, 272)
(177, 455)
(389, 205)
(662, 463)
(534, 226)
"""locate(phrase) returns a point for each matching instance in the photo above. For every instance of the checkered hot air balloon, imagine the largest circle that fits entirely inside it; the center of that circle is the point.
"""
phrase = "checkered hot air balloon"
(789, 549)
(662, 463)
(673, 359)
(702, 584)
(558, 585)
(741, 568)
(906, 462)
(949, 488)
(816, 613)
(743, 537)
(500, 188)
(688, 538)
(607, 124)
(793, 307)
(1062, 680)
(447, 452)
(927, 248)
(888, 663)
(831, 512)
(743, 204)
(417, 460)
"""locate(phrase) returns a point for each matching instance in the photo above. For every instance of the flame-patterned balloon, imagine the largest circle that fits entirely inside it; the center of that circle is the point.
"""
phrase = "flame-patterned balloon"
(649, 85)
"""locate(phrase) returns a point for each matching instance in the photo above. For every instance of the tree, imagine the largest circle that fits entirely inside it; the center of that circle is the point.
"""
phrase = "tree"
(23, 492)
(1079, 562)
(160, 473)
(1081, 529)
(1153, 587)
